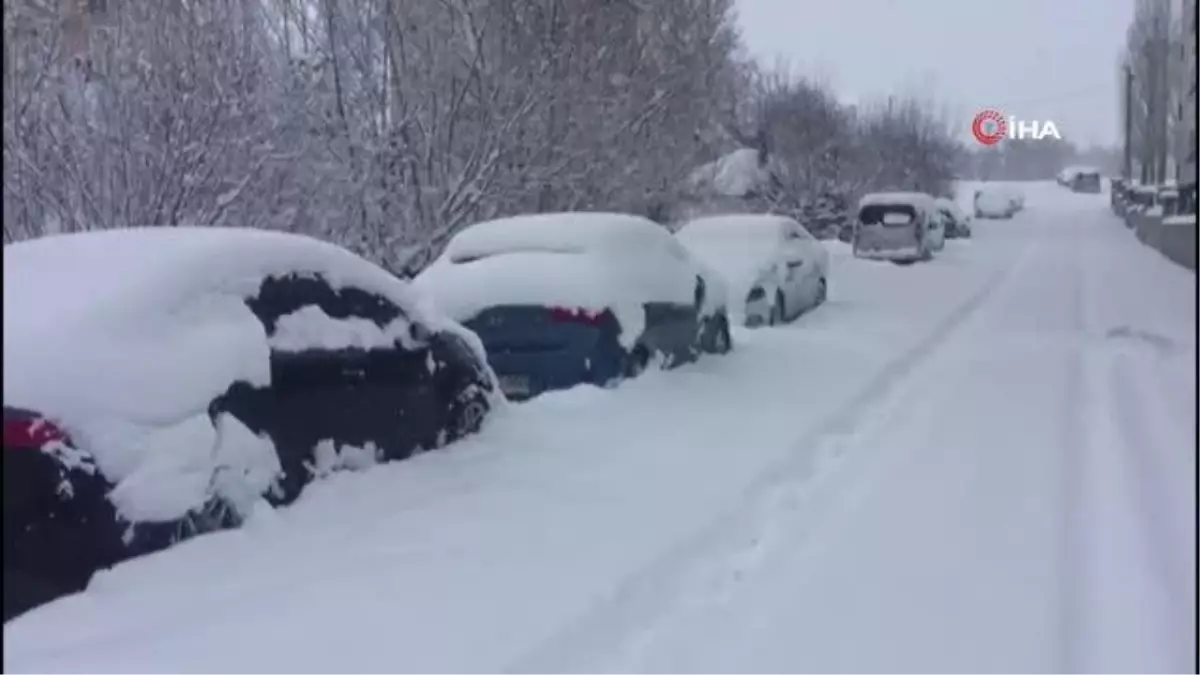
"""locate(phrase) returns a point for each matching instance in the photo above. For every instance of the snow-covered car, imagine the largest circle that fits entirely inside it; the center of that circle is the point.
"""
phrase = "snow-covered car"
(1085, 180)
(162, 382)
(561, 299)
(1066, 175)
(775, 269)
(957, 224)
(899, 226)
(995, 201)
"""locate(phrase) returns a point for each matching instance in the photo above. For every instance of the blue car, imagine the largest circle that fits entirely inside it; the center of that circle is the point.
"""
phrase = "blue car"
(562, 299)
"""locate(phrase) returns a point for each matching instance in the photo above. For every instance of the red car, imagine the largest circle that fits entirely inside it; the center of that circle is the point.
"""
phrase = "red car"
(58, 526)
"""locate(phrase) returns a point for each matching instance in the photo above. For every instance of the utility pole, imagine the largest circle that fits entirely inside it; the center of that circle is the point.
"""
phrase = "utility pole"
(1127, 172)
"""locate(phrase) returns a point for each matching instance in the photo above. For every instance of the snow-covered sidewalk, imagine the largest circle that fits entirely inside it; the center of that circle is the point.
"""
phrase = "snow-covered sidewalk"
(915, 476)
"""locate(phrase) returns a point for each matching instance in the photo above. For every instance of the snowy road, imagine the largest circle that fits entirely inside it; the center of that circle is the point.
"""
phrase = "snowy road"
(986, 463)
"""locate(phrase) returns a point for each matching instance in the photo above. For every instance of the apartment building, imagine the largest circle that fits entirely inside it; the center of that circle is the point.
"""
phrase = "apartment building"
(1185, 133)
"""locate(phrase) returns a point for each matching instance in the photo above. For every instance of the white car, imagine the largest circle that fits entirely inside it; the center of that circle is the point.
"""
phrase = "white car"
(775, 269)
(902, 227)
(994, 201)
(561, 299)
(956, 224)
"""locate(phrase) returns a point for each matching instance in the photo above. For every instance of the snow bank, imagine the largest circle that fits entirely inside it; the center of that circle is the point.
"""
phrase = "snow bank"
(736, 174)
(1181, 220)
(593, 261)
(124, 337)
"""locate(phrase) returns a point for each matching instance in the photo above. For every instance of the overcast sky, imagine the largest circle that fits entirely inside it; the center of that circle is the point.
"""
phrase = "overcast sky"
(1031, 59)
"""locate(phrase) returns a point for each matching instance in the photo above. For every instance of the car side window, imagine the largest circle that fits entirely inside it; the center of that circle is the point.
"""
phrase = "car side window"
(320, 364)
(281, 295)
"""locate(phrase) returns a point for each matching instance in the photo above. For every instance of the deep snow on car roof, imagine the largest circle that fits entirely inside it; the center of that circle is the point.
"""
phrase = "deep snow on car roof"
(67, 281)
(741, 224)
(564, 232)
(916, 199)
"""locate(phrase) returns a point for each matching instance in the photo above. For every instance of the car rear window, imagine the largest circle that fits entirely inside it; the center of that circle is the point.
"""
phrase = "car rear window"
(894, 215)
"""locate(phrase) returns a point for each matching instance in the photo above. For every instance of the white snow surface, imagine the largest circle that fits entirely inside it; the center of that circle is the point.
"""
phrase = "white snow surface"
(1001, 480)
(566, 232)
(743, 249)
(918, 200)
(124, 337)
(994, 199)
(593, 261)
(735, 174)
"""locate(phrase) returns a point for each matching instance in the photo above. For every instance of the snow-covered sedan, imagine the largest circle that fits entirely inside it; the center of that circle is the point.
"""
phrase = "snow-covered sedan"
(160, 382)
(776, 270)
(561, 299)
(995, 201)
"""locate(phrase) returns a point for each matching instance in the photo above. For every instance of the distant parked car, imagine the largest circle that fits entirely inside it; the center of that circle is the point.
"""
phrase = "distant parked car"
(1067, 175)
(1085, 180)
(774, 268)
(897, 226)
(163, 382)
(993, 201)
(956, 222)
(561, 299)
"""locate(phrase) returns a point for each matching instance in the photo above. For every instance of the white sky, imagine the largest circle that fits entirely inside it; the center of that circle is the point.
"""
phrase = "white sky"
(1033, 59)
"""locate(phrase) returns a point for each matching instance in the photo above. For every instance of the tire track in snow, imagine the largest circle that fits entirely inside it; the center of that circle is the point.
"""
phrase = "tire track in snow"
(618, 625)
(1071, 461)
(1116, 597)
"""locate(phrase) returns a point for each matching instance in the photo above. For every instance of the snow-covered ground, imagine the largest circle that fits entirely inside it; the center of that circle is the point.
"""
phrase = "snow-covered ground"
(984, 463)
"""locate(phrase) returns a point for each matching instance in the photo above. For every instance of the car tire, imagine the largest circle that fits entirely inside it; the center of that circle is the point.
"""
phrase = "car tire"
(778, 313)
(722, 341)
(636, 362)
(24, 591)
(467, 415)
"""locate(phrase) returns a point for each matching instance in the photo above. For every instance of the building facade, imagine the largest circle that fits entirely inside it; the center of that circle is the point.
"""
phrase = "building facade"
(1185, 133)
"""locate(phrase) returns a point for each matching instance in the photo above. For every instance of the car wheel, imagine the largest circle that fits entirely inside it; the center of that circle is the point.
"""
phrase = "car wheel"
(777, 311)
(24, 591)
(468, 415)
(636, 362)
(722, 342)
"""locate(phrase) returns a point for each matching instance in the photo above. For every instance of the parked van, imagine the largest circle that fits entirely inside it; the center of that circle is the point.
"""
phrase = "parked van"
(899, 226)
(1086, 180)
